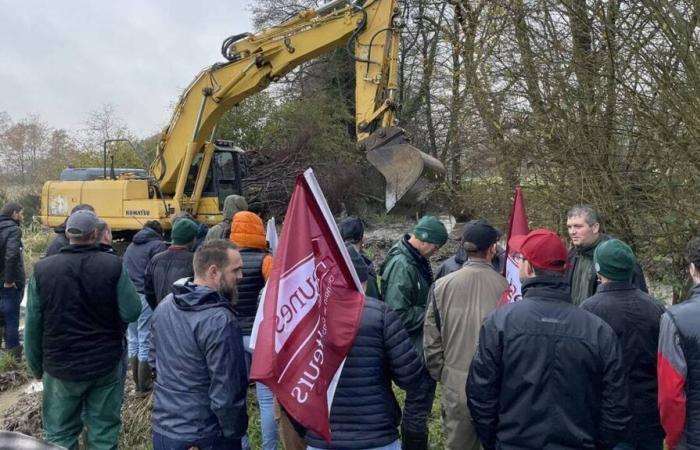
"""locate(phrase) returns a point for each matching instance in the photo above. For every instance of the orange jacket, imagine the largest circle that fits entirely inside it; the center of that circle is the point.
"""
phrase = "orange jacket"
(247, 231)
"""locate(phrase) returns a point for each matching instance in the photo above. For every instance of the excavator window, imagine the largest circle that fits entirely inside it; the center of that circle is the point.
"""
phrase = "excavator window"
(224, 177)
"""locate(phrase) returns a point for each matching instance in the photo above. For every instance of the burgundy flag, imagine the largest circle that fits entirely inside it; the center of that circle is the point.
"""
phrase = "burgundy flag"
(310, 311)
(517, 226)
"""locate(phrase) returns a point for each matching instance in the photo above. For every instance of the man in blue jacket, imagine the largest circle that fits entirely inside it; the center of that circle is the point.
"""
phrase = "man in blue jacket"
(147, 243)
(197, 352)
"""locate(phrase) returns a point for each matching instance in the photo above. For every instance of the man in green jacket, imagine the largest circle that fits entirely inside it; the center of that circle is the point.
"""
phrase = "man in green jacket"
(583, 225)
(79, 304)
(406, 280)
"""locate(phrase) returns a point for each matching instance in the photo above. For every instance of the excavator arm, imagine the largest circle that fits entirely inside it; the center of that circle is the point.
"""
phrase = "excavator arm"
(369, 29)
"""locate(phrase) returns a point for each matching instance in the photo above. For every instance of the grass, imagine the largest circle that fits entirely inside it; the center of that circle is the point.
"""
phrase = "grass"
(136, 422)
(36, 239)
(9, 363)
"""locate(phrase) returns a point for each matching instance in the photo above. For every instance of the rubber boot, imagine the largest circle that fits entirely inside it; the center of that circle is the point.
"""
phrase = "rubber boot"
(134, 368)
(411, 440)
(16, 352)
(145, 383)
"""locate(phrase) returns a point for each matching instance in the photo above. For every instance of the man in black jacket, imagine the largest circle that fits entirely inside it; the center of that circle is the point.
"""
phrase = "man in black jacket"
(546, 374)
(352, 230)
(61, 240)
(634, 317)
(12, 272)
(365, 414)
(173, 264)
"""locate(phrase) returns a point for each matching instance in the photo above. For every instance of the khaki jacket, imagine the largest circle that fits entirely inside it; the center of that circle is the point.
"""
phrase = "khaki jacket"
(458, 304)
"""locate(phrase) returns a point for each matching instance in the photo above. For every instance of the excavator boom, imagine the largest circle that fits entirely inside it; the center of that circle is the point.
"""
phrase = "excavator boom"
(369, 30)
(187, 152)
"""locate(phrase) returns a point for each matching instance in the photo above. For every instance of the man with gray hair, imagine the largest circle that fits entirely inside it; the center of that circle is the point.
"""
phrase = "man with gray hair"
(583, 225)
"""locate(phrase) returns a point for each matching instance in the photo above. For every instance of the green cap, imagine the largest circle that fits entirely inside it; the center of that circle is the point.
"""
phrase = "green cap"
(184, 231)
(429, 229)
(614, 260)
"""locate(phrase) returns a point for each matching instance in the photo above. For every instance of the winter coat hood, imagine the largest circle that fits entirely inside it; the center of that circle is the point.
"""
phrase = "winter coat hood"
(146, 235)
(191, 297)
(247, 230)
(6, 222)
(233, 204)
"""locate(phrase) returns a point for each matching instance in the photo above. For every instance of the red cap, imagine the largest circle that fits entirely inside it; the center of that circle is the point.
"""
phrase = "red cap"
(542, 248)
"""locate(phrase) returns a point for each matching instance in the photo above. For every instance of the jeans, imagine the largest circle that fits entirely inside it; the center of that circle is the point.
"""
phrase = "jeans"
(161, 442)
(144, 329)
(268, 425)
(139, 332)
(10, 299)
(419, 403)
(132, 340)
(396, 445)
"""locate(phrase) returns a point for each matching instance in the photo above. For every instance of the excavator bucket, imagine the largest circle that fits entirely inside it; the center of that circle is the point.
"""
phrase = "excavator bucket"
(410, 174)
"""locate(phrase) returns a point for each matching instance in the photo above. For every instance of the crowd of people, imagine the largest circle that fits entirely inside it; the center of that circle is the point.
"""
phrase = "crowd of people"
(587, 359)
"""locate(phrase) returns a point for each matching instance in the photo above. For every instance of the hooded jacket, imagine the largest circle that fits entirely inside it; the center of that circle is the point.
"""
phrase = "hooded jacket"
(11, 252)
(232, 205)
(547, 375)
(58, 242)
(248, 233)
(197, 352)
(145, 245)
(406, 279)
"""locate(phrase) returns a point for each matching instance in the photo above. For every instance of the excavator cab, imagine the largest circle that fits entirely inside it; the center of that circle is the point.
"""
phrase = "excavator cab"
(410, 174)
(225, 172)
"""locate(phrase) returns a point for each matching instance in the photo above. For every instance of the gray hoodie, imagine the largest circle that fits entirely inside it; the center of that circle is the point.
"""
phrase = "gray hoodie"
(232, 205)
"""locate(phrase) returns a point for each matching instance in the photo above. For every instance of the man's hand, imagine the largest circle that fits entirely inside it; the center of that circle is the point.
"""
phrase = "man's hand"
(9, 285)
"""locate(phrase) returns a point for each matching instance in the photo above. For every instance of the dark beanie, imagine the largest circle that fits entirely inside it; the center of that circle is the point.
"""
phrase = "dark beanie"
(352, 230)
(359, 263)
(184, 231)
(614, 260)
(429, 229)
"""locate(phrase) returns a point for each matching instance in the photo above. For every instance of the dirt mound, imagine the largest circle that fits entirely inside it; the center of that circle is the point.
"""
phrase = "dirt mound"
(379, 240)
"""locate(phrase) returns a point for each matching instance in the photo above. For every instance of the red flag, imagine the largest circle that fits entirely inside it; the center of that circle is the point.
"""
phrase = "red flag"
(517, 226)
(310, 311)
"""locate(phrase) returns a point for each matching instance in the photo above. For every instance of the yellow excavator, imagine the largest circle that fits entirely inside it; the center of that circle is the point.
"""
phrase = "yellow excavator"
(193, 172)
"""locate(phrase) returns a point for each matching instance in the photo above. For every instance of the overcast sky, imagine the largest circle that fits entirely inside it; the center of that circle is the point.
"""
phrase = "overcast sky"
(63, 59)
